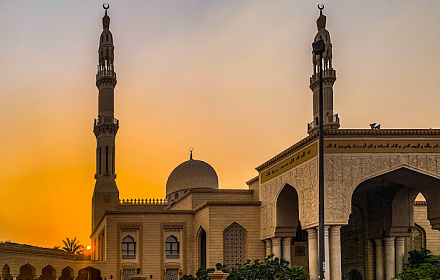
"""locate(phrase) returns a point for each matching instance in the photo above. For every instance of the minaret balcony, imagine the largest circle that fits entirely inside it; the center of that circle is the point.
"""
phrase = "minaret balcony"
(106, 120)
(330, 122)
(105, 73)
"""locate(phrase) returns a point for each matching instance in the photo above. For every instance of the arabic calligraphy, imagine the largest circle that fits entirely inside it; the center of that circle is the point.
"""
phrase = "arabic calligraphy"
(290, 162)
(382, 146)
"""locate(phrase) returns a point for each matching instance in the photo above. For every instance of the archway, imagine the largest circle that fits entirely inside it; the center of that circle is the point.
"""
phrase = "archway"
(382, 218)
(48, 273)
(27, 272)
(6, 273)
(89, 273)
(66, 274)
(290, 241)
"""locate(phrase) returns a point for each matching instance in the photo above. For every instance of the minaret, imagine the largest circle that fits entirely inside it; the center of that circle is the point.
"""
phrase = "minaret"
(106, 194)
(329, 77)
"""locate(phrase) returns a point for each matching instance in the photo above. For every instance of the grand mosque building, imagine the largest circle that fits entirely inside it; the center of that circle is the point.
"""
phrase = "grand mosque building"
(372, 217)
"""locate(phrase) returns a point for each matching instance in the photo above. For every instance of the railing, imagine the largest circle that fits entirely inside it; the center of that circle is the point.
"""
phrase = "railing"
(329, 120)
(128, 257)
(172, 257)
(143, 201)
(106, 73)
(106, 120)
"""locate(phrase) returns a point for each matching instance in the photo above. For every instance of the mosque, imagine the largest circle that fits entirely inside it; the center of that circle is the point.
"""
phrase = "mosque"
(372, 216)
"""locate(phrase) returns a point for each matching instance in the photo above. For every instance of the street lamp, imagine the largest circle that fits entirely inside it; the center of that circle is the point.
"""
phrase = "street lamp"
(318, 49)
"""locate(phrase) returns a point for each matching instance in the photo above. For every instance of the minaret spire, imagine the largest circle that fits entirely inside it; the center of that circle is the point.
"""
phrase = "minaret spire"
(331, 121)
(106, 194)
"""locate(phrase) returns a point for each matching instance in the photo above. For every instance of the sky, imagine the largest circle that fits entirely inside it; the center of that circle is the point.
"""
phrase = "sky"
(227, 77)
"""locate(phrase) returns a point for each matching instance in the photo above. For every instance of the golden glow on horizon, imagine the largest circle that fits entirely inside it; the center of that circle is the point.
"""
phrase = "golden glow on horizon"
(229, 78)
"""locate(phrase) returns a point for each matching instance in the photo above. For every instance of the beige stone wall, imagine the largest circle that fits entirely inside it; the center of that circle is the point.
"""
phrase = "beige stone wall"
(185, 203)
(221, 217)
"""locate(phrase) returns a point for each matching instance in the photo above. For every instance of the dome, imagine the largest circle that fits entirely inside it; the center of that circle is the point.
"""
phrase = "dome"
(192, 174)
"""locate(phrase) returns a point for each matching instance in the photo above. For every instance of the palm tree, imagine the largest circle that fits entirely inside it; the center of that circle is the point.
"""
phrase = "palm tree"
(72, 246)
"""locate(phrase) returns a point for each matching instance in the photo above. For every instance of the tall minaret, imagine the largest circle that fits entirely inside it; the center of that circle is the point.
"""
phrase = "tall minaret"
(329, 77)
(106, 194)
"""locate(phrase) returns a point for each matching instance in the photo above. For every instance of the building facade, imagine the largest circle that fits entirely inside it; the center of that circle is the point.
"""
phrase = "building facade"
(372, 217)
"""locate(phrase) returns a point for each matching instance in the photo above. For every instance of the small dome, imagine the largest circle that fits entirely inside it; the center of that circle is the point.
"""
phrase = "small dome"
(192, 174)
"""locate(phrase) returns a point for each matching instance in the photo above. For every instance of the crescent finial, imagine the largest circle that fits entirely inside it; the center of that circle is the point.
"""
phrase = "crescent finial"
(320, 7)
(106, 6)
(191, 149)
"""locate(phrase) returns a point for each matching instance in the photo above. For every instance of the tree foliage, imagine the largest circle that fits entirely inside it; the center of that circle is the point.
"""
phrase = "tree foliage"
(271, 269)
(422, 265)
(73, 246)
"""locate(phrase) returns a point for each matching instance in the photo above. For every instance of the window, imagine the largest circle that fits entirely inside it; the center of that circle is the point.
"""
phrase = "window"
(128, 248)
(176, 196)
(233, 245)
(172, 248)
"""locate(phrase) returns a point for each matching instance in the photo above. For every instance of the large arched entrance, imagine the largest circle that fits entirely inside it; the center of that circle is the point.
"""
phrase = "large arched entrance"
(290, 241)
(66, 274)
(382, 220)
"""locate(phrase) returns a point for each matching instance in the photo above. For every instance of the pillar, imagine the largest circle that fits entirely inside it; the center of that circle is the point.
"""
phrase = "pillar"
(327, 253)
(378, 249)
(287, 243)
(335, 253)
(313, 253)
(400, 254)
(276, 246)
(268, 247)
(390, 258)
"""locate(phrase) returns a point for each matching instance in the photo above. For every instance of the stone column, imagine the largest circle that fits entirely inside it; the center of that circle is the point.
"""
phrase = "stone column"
(378, 249)
(327, 253)
(268, 247)
(400, 254)
(335, 253)
(313, 253)
(390, 258)
(276, 247)
(287, 243)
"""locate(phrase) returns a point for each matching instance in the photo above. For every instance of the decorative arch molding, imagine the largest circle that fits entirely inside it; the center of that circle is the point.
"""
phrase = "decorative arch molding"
(304, 179)
(344, 173)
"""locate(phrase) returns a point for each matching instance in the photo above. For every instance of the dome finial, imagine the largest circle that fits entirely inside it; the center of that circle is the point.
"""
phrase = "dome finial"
(191, 149)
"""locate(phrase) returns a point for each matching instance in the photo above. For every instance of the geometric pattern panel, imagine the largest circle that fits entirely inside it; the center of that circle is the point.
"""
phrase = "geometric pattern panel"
(234, 246)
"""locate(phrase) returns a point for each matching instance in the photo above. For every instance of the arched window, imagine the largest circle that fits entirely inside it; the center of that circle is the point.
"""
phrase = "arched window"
(233, 245)
(128, 248)
(172, 248)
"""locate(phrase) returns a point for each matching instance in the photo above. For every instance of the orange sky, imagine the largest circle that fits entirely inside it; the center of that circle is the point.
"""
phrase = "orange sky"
(229, 78)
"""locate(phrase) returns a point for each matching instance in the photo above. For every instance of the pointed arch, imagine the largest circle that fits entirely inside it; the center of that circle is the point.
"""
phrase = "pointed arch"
(172, 247)
(201, 238)
(48, 273)
(234, 245)
(6, 272)
(27, 271)
(287, 212)
(67, 273)
(89, 273)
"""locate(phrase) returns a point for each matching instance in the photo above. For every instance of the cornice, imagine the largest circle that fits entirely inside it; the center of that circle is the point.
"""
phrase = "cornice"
(27, 249)
(253, 180)
(351, 132)
(227, 203)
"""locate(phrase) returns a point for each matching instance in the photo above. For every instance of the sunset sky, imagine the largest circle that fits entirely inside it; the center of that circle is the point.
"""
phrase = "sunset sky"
(228, 77)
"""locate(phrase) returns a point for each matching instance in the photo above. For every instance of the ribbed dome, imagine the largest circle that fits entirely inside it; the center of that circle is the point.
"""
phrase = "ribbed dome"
(192, 174)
